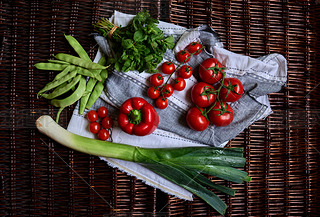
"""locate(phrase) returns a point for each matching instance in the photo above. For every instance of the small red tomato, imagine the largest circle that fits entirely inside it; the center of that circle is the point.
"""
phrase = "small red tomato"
(196, 120)
(194, 47)
(162, 102)
(103, 134)
(203, 94)
(167, 67)
(92, 116)
(185, 71)
(183, 56)
(94, 127)
(153, 92)
(232, 90)
(167, 90)
(102, 112)
(179, 84)
(156, 80)
(210, 71)
(221, 116)
(107, 123)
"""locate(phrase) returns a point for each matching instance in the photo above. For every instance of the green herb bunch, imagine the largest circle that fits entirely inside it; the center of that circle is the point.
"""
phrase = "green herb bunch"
(138, 46)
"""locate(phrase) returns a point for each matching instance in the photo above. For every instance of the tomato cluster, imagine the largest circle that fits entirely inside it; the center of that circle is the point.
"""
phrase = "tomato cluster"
(211, 96)
(106, 122)
(159, 90)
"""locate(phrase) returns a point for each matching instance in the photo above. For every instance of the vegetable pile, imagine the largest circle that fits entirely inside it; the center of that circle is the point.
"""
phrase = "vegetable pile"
(138, 46)
(70, 84)
(182, 166)
(100, 123)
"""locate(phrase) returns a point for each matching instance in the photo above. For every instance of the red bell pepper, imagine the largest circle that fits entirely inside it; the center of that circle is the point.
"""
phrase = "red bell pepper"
(138, 117)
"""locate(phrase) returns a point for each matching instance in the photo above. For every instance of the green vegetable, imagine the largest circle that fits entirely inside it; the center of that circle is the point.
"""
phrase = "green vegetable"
(138, 46)
(170, 163)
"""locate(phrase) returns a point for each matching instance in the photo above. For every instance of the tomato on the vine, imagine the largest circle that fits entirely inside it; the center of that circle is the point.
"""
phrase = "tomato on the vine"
(153, 92)
(185, 71)
(196, 120)
(103, 134)
(203, 94)
(162, 102)
(167, 90)
(183, 55)
(179, 84)
(168, 67)
(194, 47)
(92, 116)
(221, 115)
(210, 71)
(94, 127)
(102, 112)
(231, 90)
(156, 79)
(107, 123)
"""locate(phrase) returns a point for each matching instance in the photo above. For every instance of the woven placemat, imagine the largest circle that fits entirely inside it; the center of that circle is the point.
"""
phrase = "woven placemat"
(40, 177)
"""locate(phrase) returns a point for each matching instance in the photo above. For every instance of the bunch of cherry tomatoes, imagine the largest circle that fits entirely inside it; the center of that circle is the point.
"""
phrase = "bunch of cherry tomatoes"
(211, 97)
(106, 123)
(160, 90)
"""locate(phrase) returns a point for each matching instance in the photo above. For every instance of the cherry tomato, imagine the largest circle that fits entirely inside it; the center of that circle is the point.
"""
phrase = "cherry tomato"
(221, 117)
(202, 94)
(92, 116)
(107, 123)
(196, 120)
(153, 92)
(185, 71)
(167, 67)
(102, 112)
(103, 134)
(156, 80)
(194, 47)
(232, 90)
(210, 71)
(167, 91)
(179, 84)
(94, 127)
(183, 55)
(162, 102)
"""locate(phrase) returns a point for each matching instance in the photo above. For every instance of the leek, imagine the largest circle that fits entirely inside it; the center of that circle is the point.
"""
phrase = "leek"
(182, 166)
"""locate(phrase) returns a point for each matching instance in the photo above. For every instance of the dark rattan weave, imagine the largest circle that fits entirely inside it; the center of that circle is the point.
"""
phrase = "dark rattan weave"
(40, 177)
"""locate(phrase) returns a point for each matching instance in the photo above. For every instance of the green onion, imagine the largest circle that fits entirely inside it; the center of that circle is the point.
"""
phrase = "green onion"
(182, 166)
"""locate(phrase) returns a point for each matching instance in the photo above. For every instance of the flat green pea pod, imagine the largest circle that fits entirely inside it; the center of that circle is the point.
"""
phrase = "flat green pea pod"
(85, 72)
(56, 83)
(77, 47)
(74, 97)
(97, 89)
(90, 85)
(78, 61)
(50, 66)
(63, 73)
(62, 89)
(59, 62)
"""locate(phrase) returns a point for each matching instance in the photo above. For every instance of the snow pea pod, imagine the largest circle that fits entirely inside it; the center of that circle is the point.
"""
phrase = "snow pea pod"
(50, 66)
(63, 73)
(97, 89)
(85, 72)
(59, 62)
(62, 89)
(56, 83)
(77, 47)
(78, 61)
(90, 85)
(74, 97)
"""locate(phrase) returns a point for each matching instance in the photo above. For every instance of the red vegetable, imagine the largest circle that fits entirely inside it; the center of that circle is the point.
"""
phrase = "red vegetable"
(179, 84)
(156, 80)
(103, 134)
(153, 92)
(202, 94)
(232, 90)
(183, 55)
(102, 112)
(221, 115)
(107, 123)
(162, 102)
(210, 71)
(167, 91)
(138, 117)
(94, 127)
(92, 116)
(167, 67)
(185, 71)
(194, 47)
(196, 120)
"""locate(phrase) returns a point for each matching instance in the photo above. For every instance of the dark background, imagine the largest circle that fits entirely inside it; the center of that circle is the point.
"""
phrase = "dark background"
(39, 177)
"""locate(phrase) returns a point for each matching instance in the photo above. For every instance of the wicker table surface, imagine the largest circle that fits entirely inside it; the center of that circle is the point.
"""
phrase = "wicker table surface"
(39, 177)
